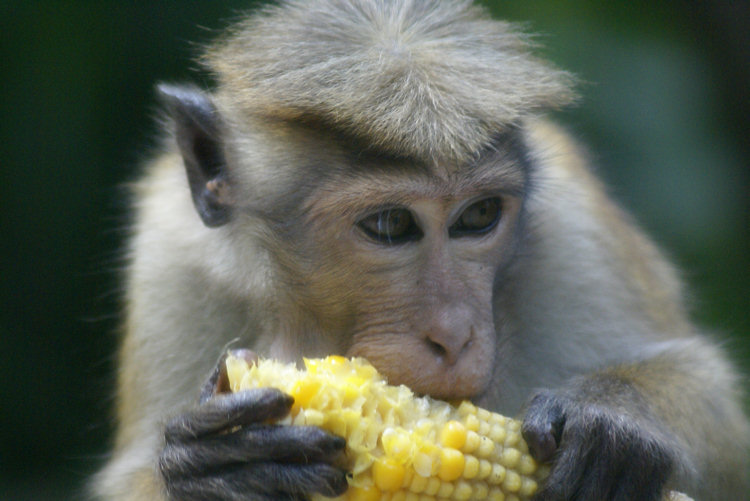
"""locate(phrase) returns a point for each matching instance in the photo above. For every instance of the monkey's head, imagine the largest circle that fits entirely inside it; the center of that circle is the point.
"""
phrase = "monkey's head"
(384, 176)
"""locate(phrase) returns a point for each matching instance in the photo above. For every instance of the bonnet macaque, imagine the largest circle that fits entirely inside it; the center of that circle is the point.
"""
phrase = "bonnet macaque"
(377, 178)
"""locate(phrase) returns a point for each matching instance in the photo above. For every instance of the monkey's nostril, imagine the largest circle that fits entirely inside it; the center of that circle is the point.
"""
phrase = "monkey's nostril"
(437, 348)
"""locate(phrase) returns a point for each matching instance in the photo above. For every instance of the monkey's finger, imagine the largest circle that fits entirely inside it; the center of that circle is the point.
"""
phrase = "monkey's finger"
(265, 481)
(228, 411)
(296, 479)
(572, 462)
(256, 443)
(218, 489)
(299, 444)
(594, 479)
(218, 382)
(215, 380)
(542, 427)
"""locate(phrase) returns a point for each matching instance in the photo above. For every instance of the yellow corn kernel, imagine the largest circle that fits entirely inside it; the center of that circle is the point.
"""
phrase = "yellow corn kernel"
(484, 428)
(526, 465)
(463, 491)
(513, 437)
(496, 494)
(333, 360)
(485, 469)
(512, 482)
(486, 447)
(424, 464)
(364, 493)
(418, 484)
(481, 491)
(510, 458)
(446, 490)
(303, 392)
(472, 442)
(397, 444)
(497, 433)
(401, 447)
(433, 486)
(471, 467)
(497, 475)
(471, 422)
(528, 487)
(387, 474)
(451, 464)
(453, 435)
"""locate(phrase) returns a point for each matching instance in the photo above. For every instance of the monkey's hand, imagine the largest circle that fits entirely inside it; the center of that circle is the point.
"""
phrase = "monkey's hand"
(600, 450)
(224, 449)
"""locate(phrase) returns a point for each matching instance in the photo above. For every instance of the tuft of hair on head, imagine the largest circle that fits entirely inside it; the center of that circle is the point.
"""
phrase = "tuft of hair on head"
(427, 79)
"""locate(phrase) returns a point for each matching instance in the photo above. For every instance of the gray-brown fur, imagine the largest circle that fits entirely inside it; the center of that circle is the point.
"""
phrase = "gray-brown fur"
(247, 232)
(389, 72)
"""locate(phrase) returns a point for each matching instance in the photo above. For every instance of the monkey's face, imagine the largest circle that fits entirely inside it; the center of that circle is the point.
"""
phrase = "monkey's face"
(408, 256)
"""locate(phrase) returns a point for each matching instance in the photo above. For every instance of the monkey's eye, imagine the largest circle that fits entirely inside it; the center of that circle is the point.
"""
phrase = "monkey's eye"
(478, 218)
(391, 226)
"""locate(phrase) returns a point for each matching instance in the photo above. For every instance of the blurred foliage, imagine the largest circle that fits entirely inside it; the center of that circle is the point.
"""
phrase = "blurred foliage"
(665, 111)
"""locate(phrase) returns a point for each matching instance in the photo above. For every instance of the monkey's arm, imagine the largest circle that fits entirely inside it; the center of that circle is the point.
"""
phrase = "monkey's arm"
(627, 431)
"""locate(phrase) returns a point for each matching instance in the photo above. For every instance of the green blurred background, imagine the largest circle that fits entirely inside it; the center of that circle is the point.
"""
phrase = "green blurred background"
(666, 112)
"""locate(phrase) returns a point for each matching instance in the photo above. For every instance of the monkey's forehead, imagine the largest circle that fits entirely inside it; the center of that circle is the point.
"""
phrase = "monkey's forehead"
(420, 78)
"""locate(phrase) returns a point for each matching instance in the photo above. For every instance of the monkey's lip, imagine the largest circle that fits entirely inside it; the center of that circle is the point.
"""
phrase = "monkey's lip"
(466, 380)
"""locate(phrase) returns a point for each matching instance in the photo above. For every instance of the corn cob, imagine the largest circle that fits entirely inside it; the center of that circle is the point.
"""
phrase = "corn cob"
(401, 447)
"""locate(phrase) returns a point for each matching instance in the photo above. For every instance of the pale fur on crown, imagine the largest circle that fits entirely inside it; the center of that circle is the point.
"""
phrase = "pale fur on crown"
(424, 78)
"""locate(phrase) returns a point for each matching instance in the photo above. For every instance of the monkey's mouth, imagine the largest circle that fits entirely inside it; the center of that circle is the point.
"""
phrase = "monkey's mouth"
(466, 379)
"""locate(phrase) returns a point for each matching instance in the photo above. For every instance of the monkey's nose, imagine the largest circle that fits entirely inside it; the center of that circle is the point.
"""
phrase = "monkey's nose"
(448, 342)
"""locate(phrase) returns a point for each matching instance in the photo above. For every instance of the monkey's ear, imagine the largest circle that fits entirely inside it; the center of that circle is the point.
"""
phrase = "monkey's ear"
(198, 133)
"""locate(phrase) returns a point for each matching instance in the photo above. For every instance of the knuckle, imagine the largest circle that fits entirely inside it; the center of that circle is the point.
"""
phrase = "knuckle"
(542, 398)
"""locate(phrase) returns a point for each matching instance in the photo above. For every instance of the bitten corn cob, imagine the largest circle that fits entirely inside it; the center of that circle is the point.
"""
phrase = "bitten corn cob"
(401, 447)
